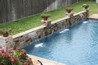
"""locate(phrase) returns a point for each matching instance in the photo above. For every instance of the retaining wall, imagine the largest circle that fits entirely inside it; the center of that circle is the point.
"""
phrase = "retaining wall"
(27, 37)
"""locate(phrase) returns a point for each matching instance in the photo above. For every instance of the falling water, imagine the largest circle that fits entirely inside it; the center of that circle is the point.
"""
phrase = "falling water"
(85, 22)
(39, 45)
(65, 30)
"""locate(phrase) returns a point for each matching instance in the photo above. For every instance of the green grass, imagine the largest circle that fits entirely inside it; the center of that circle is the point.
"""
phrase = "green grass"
(34, 21)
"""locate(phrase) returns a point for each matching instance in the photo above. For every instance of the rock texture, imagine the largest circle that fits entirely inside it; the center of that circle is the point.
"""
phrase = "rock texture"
(6, 43)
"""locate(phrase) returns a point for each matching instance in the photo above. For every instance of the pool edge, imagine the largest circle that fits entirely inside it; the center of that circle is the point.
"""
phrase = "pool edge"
(44, 61)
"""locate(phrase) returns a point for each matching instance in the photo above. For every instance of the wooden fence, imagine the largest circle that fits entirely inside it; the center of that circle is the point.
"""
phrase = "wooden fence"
(15, 9)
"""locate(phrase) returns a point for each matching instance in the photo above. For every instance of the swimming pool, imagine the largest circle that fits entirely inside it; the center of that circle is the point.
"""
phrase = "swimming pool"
(77, 45)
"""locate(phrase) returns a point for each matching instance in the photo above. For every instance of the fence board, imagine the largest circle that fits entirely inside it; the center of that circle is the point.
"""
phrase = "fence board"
(16, 9)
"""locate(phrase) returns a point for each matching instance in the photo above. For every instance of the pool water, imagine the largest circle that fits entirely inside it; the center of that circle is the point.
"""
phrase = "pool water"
(77, 45)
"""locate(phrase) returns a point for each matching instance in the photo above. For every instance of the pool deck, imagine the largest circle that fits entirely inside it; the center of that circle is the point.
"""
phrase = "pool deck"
(95, 16)
(44, 61)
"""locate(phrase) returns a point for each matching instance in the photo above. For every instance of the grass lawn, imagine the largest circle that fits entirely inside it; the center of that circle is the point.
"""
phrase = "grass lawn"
(34, 21)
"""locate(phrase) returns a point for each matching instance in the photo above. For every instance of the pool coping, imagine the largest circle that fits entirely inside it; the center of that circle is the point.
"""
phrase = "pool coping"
(93, 16)
(44, 61)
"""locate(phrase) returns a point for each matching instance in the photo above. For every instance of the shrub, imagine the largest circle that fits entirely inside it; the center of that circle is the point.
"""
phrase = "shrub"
(17, 57)
(45, 16)
(85, 6)
(69, 10)
(5, 33)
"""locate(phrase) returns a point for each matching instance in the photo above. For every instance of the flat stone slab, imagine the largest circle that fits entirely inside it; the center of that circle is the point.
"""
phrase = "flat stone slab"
(95, 16)
(44, 61)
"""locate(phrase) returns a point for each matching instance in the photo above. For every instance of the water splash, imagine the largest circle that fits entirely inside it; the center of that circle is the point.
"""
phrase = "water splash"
(65, 30)
(39, 45)
(85, 22)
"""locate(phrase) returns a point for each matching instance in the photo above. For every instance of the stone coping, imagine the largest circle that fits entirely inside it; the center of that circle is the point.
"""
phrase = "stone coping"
(94, 16)
(66, 17)
(28, 31)
(42, 26)
(79, 13)
(44, 61)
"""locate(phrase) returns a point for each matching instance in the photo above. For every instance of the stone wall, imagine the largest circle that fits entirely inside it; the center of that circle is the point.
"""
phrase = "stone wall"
(6, 43)
(27, 37)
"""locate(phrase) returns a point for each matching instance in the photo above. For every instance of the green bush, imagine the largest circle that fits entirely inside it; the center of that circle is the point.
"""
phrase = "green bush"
(17, 57)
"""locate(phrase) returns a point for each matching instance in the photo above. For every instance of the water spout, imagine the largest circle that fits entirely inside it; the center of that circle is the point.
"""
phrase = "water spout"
(85, 22)
(65, 30)
(39, 45)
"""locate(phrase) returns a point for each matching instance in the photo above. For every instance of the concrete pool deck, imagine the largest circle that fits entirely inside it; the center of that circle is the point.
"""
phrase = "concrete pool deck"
(44, 61)
(95, 16)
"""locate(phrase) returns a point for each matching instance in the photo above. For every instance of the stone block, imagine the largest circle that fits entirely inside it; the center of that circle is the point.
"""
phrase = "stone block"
(6, 43)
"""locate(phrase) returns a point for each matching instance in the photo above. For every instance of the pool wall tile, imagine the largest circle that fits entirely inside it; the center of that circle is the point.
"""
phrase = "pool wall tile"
(27, 37)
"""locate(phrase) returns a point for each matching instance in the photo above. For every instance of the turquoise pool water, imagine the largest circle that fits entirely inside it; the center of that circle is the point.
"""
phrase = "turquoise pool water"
(77, 45)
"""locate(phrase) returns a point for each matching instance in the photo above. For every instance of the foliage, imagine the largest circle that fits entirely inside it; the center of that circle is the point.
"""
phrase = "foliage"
(86, 6)
(45, 15)
(6, 32)
(17, 57)
(69, 10)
